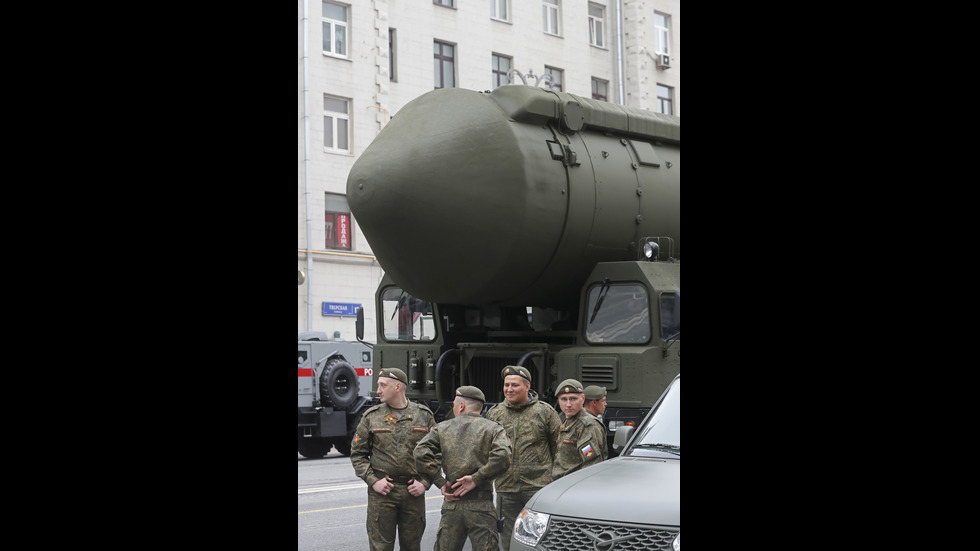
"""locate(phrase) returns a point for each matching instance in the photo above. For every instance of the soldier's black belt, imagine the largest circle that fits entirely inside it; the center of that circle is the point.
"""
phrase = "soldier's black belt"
(397, 479)
(476, 496)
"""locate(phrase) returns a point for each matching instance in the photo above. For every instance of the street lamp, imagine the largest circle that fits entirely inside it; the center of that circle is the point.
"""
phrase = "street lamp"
(530, 76)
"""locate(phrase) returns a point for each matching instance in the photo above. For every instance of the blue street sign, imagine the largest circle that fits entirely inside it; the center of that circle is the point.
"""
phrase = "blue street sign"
(340, 309)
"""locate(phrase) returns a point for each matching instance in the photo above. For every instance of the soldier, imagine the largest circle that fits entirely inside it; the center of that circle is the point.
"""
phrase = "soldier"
(580, 435)
(382, 455)
(595, 403)
(532, 427)
(474, 450)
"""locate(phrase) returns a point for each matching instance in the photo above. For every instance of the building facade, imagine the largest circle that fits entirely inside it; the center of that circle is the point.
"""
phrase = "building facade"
(360, 62)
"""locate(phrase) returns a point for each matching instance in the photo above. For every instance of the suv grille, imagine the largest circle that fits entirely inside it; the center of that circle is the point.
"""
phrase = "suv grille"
(566, 533)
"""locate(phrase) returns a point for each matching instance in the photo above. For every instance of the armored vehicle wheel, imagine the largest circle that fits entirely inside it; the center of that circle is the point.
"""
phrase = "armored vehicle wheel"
(343, 443)
(314, 449)
(338, 384)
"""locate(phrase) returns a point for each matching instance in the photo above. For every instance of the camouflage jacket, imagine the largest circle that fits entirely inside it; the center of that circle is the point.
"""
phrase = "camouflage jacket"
(468, 445)
(532, 429)
(385, 444)
(581, 441)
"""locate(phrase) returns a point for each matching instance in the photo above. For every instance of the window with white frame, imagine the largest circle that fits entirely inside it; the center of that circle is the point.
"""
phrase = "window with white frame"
(551, 14)
(557, 77)
(661, 26)
(498, 10)
(336, 124)
(447, 3)
(597, 27)
(444, 64)
(600, 89)
(334, 29)
(501, 66)
(665, 99)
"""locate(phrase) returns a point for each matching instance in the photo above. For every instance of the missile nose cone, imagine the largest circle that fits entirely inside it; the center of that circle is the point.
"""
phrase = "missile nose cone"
(435, 191)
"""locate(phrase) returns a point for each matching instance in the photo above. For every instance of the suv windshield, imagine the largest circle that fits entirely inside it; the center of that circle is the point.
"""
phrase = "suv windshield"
(660, 433)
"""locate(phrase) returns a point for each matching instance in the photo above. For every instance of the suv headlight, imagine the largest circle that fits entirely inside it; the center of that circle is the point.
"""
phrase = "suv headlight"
(677, 543)
(530, 527)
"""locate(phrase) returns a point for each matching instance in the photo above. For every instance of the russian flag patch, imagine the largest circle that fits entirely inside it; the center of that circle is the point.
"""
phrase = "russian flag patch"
(587, 451)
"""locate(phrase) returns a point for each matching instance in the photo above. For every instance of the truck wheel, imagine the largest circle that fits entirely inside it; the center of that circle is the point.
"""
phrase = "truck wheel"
(314, 449)
(338, 384)
(343, 443)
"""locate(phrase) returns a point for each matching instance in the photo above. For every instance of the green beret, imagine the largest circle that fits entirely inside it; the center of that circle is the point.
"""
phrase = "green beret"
(394, 373)
(568, 386)
(470, 392)
(593, 392)
(515, 370)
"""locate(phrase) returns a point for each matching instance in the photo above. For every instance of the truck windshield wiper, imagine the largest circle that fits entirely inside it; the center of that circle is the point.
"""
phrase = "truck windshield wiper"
(602, 294)
(401, 301)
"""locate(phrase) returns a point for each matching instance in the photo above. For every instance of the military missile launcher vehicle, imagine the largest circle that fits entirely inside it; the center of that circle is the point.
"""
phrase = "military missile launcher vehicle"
(526, 227)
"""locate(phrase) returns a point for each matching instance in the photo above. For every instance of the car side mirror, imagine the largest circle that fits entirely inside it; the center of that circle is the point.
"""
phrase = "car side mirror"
(622, 436)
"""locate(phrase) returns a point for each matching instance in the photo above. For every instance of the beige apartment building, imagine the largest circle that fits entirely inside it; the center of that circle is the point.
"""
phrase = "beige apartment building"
(361, 61)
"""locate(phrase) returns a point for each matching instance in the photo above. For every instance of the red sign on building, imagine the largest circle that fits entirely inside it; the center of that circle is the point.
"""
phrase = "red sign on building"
(338, 230)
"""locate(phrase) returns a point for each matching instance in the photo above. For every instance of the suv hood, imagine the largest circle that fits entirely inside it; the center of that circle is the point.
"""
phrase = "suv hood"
(618, 490)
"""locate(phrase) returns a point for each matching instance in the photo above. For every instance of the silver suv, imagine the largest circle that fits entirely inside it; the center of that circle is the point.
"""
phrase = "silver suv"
(626, 503)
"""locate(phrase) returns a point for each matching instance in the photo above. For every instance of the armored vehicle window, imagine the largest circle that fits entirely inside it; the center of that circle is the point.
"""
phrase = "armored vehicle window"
(406, 318)
(670, 315)
(618, 314)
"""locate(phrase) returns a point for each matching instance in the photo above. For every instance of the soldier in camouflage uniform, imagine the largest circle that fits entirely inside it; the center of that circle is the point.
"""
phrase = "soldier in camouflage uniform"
(580, 436)
(474, 450)
(532, 427)
(595, 403)
(382, 455)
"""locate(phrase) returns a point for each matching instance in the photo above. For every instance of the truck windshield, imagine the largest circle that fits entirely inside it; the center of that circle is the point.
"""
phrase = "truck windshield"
(623, 316)
(405, 317)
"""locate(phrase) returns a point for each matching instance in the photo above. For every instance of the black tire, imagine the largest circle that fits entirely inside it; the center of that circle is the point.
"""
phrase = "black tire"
(338, 384)
(343, 444)
(314, 449)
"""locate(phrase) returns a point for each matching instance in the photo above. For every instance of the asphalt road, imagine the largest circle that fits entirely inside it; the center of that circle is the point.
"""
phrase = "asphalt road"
(333, 507)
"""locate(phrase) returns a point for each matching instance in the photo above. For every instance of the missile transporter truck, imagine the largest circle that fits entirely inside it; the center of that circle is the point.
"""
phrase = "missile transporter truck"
(524, 227)
(334, 389)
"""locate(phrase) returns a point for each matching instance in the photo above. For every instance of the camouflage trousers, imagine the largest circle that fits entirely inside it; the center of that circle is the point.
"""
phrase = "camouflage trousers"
(511, 504)
(397, 509)
(476, 519)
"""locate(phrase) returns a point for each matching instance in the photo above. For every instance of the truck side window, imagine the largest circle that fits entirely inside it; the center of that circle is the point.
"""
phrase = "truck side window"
(670, 314)
(405, 317)
(621, 317)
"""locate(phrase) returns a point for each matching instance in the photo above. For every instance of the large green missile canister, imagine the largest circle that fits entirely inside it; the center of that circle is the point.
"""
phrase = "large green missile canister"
(512, 197)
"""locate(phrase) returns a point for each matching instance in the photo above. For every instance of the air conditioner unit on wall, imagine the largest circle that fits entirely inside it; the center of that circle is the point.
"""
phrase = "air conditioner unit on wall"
(663, 60)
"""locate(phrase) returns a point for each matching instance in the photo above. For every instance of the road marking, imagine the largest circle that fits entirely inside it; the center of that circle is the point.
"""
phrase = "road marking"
(332, 488)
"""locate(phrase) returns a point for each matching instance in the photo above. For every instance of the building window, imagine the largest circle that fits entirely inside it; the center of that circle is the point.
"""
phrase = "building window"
(444, 64)
(501, 66)
(498, 10)
(336, 124)
(600, 89)
(447, 3)
(661, 37)
(665, 99)
(597, 25)
(392, 75)
(557, 77)
(334, 29)
(338, 223)
(550, 12)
